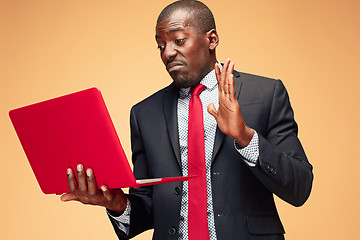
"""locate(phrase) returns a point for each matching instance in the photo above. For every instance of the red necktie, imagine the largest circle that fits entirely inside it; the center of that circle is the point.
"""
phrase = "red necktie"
(197, 213)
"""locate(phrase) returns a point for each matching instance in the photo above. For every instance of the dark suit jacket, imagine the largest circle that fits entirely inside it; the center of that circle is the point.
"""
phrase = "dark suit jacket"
(242, 195)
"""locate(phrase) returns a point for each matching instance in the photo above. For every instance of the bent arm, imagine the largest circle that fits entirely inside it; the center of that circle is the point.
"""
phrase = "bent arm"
(282, 166)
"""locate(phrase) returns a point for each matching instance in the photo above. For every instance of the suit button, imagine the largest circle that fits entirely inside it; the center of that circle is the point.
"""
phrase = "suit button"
(172, 231)
(178, 190)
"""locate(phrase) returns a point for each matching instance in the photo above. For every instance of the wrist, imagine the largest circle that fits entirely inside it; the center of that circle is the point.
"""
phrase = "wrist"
(119, 208)
(245, 138)
(114, 213)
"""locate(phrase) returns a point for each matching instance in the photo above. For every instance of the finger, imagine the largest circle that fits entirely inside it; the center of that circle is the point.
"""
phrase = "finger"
(71, 180)
(106, 192)
(228, 72)
(226, 76)
(223, 75)
(212, 110)
(91, 182)
(230, 69)
(81, 178)
(218, 76)
(229, 80)
(232, 96)
(68, 197)
(224, 69)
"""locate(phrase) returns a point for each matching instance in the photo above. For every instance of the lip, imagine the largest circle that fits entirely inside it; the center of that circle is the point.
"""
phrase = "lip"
(173, 66)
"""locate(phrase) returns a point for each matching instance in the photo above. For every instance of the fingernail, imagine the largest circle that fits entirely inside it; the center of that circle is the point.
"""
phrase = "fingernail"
(103, 188)
(68, 171)
(79, 167)
(88, 172)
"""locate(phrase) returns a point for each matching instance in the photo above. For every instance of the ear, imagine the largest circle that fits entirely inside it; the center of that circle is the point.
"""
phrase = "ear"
(212, 38)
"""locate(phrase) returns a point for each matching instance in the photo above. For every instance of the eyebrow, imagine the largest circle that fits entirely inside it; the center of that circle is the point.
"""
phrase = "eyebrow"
(179, 29)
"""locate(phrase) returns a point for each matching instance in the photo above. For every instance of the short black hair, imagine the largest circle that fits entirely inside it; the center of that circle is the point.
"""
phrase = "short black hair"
(202, 18)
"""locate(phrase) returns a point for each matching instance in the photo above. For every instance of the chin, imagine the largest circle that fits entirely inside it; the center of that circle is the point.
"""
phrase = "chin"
(181, 84)
(179, 80)
(182, 81)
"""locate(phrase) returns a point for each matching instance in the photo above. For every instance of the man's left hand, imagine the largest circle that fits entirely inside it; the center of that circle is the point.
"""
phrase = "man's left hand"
(228, 116)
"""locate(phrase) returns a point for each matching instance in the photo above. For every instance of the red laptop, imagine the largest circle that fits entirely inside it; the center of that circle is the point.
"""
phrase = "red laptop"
(62, 132)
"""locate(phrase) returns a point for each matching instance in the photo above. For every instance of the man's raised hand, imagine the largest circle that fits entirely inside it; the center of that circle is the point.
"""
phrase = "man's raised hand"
(228, 116)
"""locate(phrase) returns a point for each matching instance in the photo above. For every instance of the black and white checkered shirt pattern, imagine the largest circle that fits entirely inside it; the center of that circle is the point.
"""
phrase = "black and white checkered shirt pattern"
(250, 153)
(209, 95)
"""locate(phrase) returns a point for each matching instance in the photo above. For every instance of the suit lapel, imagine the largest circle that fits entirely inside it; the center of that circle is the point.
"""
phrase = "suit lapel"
(219, 136)
(170, 112)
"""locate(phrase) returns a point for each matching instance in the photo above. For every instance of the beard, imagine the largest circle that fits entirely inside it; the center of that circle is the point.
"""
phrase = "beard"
(188, 78)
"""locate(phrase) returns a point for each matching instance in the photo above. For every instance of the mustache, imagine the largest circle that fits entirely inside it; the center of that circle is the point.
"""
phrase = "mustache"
(173, 62)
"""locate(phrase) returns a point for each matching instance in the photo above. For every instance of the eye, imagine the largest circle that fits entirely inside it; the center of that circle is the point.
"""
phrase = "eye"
(179, 41)
(160, 47)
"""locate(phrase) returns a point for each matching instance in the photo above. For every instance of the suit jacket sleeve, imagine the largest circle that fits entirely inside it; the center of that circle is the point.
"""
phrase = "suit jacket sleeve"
(282, 165)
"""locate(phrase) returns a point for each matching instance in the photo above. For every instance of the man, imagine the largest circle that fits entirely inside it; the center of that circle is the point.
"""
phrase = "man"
(249, 146)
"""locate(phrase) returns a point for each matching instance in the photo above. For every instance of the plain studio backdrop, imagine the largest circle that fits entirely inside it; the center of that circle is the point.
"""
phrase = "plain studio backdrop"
(51, 48)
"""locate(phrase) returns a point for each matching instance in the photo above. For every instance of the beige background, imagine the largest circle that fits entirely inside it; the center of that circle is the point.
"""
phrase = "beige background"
(50, 48)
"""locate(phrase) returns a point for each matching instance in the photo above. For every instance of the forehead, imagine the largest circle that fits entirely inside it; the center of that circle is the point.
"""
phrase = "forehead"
(177, 21)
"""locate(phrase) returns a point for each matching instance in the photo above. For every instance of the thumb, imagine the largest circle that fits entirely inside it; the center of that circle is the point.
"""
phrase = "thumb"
(107, 193)
(211, 110)
(68, 197)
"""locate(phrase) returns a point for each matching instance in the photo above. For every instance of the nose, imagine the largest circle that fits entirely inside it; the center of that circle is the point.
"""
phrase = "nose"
(169, 53)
